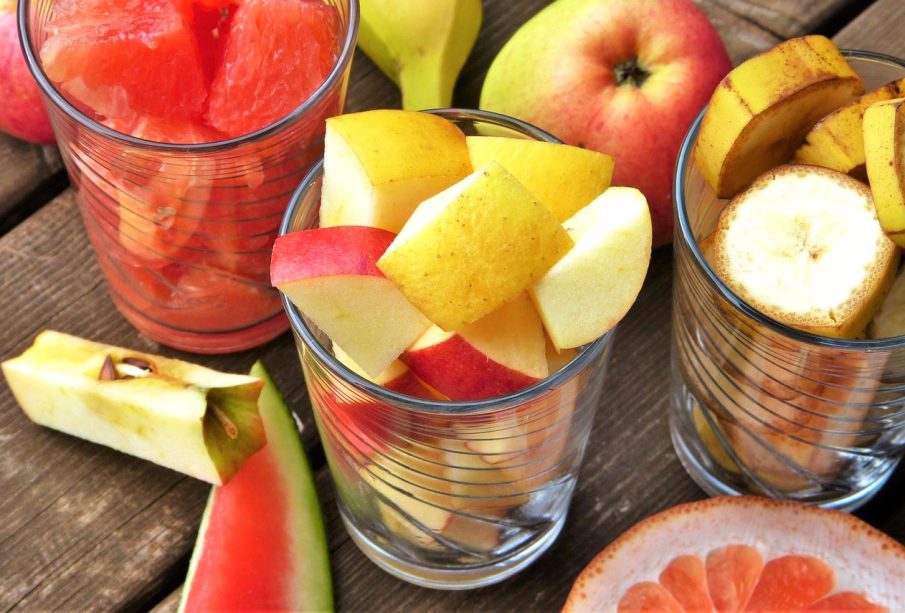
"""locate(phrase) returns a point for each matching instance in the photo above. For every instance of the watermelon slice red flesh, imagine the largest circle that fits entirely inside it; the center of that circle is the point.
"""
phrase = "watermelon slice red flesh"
(262, 543)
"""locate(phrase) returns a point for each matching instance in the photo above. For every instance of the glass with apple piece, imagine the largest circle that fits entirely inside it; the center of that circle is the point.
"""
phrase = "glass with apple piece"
(449, 495)
(758, 406)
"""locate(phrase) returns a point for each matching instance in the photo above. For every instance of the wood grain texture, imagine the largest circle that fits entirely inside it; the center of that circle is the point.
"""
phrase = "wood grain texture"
(22, 168)
(87, 528)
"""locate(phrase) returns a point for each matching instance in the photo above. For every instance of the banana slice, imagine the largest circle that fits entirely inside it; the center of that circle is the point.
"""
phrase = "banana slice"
(890, 318)
(884, 125)
(761, 111)
(837, 140)
(803, 245)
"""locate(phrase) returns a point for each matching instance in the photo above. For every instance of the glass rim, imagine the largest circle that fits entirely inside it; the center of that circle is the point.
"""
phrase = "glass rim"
(686, 235)
(586, 354)
(60, 101)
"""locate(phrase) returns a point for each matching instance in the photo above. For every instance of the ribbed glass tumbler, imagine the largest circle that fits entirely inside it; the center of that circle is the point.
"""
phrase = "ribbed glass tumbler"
(759, 407)
(450, 495)
(183, 233)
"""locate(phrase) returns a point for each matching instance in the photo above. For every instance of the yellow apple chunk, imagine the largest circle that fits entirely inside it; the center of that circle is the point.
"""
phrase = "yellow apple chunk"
(760, 112)
(593, 286)
(803, 245)
(884, 123)
(837, 140)
(472, 247)
(563, 178)
(379, 165)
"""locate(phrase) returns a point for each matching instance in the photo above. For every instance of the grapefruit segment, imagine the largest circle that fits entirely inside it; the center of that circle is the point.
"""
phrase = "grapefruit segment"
(126, 57)
(732, 573)
(649, 596)
(791, 582)
(845, 601)
(685, 577)
(248, 92)
(816, 560)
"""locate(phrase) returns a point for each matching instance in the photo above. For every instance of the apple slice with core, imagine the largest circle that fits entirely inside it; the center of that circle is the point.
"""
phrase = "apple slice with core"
(884, 125)
(496, 355)
(760, 113)
(330, 274)
(593, 286)
(472, 247)
(563, 178)
(379, 165)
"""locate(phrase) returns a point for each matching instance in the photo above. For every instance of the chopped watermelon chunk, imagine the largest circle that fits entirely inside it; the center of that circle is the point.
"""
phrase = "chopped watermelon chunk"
(126, 57)
(249, 92)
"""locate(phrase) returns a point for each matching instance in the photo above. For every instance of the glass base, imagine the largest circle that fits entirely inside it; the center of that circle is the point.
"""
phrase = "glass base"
(205, 342)
(449, 578)
(710, 478)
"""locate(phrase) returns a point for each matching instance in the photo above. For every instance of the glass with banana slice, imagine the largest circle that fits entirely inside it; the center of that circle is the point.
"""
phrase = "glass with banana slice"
(789, 306)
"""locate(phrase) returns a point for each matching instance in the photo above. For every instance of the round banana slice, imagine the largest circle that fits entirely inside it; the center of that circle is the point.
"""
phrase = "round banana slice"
(761, 111)
(803, 246)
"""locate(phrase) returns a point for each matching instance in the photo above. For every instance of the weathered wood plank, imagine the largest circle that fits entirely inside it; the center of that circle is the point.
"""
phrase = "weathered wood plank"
(88, 528)
(22, 168)
(786, 19)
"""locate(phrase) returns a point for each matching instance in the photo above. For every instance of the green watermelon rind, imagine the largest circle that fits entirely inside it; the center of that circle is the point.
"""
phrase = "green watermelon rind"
(314, 587)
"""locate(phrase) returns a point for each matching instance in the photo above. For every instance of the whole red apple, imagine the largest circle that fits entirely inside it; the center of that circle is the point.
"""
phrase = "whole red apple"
(22, 113)
(625, 77)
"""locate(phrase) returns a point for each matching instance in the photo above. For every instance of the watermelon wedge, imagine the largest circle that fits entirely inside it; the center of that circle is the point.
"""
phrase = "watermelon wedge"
(262, 543)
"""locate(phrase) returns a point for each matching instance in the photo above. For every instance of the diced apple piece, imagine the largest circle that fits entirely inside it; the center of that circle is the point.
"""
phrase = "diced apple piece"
(379, 165)
(331, 275)
(884, 127)
(837, 140)
(761, 111)
(473, 534)
(500, 353)
(397, 377)
(562, 177)
(592, 287)
(472, 247)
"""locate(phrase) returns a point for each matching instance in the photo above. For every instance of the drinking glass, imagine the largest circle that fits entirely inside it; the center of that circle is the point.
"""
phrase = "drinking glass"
(449, 495)
(759, 407)
(183, 233)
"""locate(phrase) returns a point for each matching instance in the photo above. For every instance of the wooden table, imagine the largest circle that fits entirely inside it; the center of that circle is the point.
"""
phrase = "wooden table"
(84, 527)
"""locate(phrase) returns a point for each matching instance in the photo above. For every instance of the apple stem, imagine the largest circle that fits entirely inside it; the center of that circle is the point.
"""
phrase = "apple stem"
(631, 72)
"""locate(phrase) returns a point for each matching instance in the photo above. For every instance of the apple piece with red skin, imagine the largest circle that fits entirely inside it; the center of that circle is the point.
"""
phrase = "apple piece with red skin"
(397, 377)
(22, 113)
(331, 275)
(499, 354)
(615, 77)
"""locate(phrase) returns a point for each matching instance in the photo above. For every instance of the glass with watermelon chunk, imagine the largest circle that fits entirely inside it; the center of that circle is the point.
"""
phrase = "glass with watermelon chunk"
(185, 126)
(449, 494)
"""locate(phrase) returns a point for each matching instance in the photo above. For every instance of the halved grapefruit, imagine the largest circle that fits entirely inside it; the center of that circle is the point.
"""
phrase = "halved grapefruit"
(745, 554)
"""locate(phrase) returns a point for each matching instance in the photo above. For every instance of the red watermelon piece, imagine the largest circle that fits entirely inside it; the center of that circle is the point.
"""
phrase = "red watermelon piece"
(249, 91)
(262, 543)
